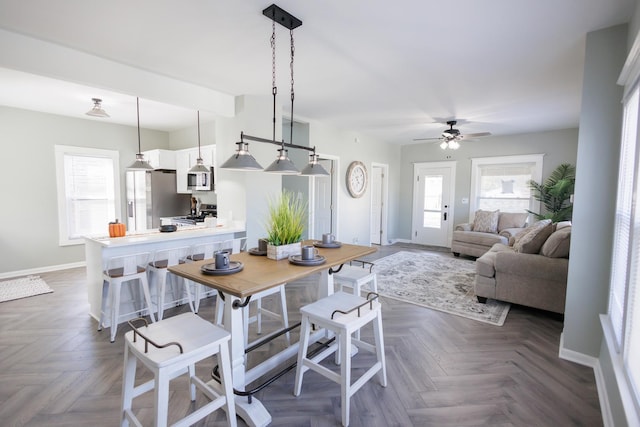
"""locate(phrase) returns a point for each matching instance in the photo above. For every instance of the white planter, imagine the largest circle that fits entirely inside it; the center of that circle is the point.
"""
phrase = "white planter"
(283, 251)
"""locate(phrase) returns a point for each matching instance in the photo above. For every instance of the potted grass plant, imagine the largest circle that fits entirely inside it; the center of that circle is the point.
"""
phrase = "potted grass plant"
(287, 215)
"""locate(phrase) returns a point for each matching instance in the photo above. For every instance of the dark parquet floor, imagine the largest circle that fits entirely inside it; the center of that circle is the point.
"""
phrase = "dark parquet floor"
(56, 369)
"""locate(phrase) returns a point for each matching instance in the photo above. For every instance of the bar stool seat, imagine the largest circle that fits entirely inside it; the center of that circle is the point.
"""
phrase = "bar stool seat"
(343, 314)
(170, 348)
(356, 277)
(159, 275)
(120, 270)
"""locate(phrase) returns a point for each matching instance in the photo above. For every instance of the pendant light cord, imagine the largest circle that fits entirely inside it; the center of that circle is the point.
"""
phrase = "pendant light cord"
(199, 154)
(274, 89)
(138, 113)
(292, 93)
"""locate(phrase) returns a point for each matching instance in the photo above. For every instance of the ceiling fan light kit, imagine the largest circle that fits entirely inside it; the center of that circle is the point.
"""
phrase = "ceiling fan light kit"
(242, 160)
(450, 138)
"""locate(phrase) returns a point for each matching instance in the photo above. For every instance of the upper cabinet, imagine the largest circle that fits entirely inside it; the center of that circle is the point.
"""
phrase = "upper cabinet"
(186, 159)
(161, 159)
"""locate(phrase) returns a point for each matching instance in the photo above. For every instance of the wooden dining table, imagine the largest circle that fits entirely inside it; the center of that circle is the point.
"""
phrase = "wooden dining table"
(260, 273)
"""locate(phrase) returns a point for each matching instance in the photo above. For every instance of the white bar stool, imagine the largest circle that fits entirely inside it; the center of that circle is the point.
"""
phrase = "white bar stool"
(343, 314)
(169, 349)
(119, 270)
(260, 311)
(158, 273)
(198, 253)
(356, 277)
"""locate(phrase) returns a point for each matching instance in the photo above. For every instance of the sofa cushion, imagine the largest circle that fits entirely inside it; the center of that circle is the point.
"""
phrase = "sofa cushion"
(486, 221)
(534, 238)
(512, 220)
(485, 265)
(557, 245)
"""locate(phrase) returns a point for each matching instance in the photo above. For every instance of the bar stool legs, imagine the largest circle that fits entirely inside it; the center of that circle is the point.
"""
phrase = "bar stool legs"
(170, 348)
(323, 314)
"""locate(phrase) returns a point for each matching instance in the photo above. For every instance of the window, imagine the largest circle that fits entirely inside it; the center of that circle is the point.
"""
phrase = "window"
(88, 192)
(621, 325)
(501, 183)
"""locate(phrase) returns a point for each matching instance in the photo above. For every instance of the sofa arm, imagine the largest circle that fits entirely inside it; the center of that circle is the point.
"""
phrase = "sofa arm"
(467, 226)
(511, 232)
(532, 265)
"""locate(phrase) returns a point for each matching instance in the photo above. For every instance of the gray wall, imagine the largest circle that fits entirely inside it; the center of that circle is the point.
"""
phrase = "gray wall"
(29, 217)
(595, 192)
(558, 146)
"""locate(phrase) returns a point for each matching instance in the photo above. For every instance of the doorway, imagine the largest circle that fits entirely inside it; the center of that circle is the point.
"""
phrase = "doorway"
(433, 194)
(323, 215)
(378, 221)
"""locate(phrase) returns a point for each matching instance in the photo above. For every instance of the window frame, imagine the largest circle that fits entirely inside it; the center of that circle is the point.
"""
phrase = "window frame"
(60, 152)
(478, 162)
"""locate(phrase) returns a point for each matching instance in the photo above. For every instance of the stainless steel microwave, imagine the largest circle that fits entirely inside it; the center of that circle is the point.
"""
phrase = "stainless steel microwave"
(200, 181)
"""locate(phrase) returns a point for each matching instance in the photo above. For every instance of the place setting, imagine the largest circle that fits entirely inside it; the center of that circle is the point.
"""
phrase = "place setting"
(308, 256)
(328, 242)
(222, 265)
(261, 250)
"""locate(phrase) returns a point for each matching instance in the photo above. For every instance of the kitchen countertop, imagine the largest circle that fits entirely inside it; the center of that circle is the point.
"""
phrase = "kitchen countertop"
(154, 235)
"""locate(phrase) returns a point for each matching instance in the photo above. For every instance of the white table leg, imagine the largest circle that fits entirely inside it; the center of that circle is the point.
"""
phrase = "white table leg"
(325, 285)
(254, 413)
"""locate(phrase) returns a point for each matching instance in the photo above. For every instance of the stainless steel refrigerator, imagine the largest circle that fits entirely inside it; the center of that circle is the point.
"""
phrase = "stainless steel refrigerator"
(152, 195)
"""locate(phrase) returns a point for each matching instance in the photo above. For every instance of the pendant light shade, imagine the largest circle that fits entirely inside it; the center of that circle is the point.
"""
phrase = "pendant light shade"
(282, 164)
(242, 160)
(314, 168)
(199, 166)
(97, 110)
(140, 163)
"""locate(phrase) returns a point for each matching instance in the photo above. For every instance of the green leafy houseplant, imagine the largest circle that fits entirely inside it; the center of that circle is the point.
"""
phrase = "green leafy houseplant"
(286, 221)
(555, 193)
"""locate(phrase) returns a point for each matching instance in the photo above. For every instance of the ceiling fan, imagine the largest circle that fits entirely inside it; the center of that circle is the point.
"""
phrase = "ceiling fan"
(450, 137)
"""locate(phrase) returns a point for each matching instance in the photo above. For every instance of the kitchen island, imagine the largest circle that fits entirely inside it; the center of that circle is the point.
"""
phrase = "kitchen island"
(99, 249)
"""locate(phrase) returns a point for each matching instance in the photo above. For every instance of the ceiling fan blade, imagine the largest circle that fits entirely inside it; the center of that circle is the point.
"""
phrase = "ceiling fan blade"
(427, 139)
(475, 135)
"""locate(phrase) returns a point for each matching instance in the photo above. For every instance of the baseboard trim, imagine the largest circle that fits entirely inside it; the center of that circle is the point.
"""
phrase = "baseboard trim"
(39, 270)
(593, 363)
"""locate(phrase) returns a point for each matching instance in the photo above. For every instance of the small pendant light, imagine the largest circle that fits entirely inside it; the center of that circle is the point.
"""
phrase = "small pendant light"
(97, 110)
(199, 166)
(140, 163)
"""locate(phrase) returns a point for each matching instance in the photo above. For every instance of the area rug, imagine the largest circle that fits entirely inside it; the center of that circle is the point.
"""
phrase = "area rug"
(438, 282)
(22, 288)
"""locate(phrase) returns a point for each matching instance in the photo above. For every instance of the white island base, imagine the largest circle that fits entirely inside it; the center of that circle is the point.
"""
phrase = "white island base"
(99, 250)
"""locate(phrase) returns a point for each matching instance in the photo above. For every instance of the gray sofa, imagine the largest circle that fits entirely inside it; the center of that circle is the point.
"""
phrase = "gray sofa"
(533, 274)
(487, 229)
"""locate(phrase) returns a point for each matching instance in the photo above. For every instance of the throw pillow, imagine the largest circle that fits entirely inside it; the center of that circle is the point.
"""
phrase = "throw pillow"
(557, 245)
(534, 238)
(486, 221)
(512, 220)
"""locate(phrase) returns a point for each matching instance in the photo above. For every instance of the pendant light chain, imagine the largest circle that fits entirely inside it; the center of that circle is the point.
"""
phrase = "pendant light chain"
(138, 114)
(274, 89)
(199, 153)
(293, 49)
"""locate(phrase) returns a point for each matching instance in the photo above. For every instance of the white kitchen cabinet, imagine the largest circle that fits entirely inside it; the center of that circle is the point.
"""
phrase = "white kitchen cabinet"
(161, 159)
(186, 159)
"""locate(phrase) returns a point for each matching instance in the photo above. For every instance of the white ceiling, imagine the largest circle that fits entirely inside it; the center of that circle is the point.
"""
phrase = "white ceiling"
(393, 70)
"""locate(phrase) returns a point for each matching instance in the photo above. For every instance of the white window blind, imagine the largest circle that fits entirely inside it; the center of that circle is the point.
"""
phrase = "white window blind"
(501, 183)
(622, 227)
(88, 192)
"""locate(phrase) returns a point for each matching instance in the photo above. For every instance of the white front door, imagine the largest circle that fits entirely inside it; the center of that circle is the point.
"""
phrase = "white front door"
(433, 203)
(376, 205)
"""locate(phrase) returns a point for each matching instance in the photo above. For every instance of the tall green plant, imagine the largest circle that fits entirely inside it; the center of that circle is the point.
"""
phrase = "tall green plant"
(555, 193)
(286, 221)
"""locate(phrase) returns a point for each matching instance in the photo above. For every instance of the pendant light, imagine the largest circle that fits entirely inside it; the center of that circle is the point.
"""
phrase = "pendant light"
(199, 166)
(242, 160)
(140, 163)
(97, 110)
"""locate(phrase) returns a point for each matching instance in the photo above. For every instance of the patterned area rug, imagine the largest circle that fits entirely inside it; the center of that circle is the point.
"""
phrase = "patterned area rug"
(22, 288)
(439, 282)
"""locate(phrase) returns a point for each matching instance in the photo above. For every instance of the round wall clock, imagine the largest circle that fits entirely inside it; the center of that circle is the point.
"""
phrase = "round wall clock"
(356, 179)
